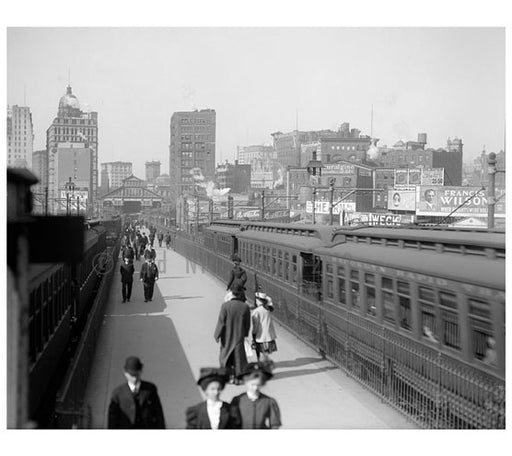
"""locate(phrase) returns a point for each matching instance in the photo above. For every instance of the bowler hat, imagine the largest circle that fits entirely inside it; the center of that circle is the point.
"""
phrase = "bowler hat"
(133, 365)
(212, 374)
(256, 367)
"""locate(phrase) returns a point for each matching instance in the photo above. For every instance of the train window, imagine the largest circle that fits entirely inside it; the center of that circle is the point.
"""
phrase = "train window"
(405, 305)
(428, 314)
(402, 287)
(447, 299)
(388, 306)
(341, 271)
(342, 298)
(387, 283)
(280, 264)
(371, 309)
(369, 278)
(286, 265)
(479, 308)
(328, 268)
(354, 288)
(330, 291)
(294, 268)
(427, 294)
(451, 336)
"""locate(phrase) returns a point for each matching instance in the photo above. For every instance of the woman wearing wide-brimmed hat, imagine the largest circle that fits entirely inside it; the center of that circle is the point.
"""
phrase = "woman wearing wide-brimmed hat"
(257, 410)
(263, 332)
(212, 413)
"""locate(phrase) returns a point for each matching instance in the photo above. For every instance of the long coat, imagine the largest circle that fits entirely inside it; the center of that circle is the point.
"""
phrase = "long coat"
(197, 417)
(124, 404)
(232, 328)
(238, 276)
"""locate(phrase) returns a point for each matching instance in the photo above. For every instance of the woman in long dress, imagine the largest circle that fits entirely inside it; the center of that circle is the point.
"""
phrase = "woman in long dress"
(257, 410)
(238, 276)
(212, 413)
(263, 332)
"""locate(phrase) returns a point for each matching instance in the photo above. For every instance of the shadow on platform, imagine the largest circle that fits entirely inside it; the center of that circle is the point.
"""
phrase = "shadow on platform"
(297, 362)
(181, 297)
(302, 372)
(155, 340)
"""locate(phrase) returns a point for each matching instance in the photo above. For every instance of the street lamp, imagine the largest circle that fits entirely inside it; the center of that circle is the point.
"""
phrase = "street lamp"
(70, 187)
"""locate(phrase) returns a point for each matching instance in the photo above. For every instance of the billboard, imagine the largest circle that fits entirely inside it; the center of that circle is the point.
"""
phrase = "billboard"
(434, 176)
(409, 178)
(377, 219)
(82, 194)
(402, 200)
(471, 201)
(322, 207)
(338, 168)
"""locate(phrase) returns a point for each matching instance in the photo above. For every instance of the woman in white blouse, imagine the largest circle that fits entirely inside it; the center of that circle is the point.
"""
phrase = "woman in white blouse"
(212, 413)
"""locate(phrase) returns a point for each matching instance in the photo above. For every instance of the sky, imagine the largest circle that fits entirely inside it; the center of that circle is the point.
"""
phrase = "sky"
(447, 82)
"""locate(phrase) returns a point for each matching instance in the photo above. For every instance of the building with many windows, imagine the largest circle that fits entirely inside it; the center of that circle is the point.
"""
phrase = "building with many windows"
(152, 171)
(237, 177)
(20, 137)
(72, 129)
(114, 173)
(192, 146)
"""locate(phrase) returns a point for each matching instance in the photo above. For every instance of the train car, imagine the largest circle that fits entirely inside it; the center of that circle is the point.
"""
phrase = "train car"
(59, 298)
(419, 316)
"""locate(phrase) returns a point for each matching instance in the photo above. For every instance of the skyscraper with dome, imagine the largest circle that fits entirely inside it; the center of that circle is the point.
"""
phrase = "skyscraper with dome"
(72, 145)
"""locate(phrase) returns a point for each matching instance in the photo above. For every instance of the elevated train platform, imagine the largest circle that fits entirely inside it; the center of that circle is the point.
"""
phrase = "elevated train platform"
(173, 335)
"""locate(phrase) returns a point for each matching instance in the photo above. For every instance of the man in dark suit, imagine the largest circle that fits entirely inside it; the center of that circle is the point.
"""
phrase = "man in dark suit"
(148, 276)
(232, 328)
(135, 404)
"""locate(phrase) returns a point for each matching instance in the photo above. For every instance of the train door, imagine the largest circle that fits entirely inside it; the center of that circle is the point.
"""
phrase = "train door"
(311, 275)
(234, 245)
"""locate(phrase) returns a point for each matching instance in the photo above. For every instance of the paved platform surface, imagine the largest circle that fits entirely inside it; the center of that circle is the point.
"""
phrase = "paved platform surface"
(173, 335)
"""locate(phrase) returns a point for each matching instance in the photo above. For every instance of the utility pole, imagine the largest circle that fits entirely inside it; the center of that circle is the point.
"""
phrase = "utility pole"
(197, 213)
(332, 181)
(314, 204)
(78, 206)
(46, 200)
(491, 191)
(263, 203)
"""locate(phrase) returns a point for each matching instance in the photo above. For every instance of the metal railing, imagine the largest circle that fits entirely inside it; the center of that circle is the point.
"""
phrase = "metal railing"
(70, 410)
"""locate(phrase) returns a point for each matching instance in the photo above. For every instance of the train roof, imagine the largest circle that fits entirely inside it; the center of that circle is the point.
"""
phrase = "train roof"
(477, 270)
(481, 238)
(297, 235)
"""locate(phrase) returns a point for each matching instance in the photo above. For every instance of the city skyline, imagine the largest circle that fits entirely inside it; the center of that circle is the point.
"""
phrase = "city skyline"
(418, 80)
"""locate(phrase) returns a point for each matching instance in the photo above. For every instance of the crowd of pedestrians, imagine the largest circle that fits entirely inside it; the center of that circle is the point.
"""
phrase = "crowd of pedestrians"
(242, 330)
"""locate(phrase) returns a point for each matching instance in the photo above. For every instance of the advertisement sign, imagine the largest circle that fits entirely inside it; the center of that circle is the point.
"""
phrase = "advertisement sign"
(414, 176)
(338, 168)
(441, 201)
(402, 200)
(433, 176)
(322, 207)
(82, 194)
(401, 178)
(377, 219)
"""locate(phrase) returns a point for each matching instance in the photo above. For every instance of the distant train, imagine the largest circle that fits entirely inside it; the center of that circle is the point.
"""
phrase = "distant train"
(417, 315)
(60, 296)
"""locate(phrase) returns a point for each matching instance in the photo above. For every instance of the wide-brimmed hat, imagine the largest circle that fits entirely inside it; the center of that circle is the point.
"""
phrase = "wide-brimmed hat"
(133, 365)
(212, 374)
(256, 367)
(264, 298)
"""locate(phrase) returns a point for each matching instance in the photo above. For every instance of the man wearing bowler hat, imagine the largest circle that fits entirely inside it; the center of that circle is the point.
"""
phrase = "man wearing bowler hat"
(135, 404)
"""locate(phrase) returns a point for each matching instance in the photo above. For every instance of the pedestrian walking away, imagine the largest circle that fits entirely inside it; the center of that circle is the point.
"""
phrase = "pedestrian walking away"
(213, 413)
(135, 404)
(233, 327)
(148, 276)
(168, 240)
(160, 238)
(127, 269)
(257, 410)
(238, 276)
(263, 331)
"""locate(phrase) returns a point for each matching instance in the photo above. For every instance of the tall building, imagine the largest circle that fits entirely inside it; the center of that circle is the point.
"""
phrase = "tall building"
(72, 129)
(40, 170)
(247, 155)
(152, 170)
(192, 146)
(20, 136)
(237, 177)
(115, 173)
